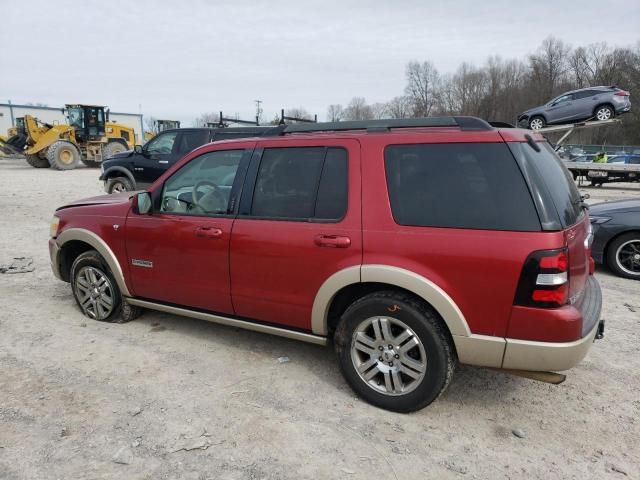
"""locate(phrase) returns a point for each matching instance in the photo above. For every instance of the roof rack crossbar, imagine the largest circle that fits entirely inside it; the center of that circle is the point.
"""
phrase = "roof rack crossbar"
(465, 123)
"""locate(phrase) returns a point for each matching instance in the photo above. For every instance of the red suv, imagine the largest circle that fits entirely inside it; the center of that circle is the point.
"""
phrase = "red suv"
(411, 244)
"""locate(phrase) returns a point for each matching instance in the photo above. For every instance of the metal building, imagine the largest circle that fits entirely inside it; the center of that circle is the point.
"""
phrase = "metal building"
(9, 112)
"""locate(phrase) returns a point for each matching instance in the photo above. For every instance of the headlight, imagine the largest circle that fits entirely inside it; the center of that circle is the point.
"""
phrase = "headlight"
(101, 167)
(598, 220)
(55, 223)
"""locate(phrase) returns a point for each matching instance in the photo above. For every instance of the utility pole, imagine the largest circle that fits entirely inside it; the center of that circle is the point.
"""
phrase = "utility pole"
(258, 111)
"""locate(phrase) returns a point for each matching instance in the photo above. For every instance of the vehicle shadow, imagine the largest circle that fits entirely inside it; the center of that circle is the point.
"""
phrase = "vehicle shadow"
(470, 385)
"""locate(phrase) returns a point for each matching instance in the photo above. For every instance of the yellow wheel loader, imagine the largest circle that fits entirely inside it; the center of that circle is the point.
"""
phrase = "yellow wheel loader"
(88, 138)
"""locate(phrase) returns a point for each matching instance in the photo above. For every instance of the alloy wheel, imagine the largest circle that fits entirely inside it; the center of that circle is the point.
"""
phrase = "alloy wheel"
(536, 124)
(603, 114)
(388, 355)
(95, 293)
(628, 257)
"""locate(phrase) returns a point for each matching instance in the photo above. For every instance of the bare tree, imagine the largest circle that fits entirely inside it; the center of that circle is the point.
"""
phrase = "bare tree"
(298, 112)
(548, 67)
(379, 110)
(150, 124)
(422, 87)
(335, 112)
(206, 118)
(358, 110)
(399, 107)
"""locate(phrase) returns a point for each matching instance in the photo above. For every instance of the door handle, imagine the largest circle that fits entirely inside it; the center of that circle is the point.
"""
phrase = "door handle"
(208, 232)
(163, 161)
(332, 241)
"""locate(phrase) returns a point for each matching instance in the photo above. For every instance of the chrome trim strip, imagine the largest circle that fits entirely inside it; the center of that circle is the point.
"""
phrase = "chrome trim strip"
(231, 322)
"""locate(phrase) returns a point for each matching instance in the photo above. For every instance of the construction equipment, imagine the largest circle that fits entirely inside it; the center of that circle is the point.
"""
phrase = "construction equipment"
(89, 137)
(162, 125)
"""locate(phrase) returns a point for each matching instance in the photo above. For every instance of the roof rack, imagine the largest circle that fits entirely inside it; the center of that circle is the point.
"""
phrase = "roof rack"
(465, 123)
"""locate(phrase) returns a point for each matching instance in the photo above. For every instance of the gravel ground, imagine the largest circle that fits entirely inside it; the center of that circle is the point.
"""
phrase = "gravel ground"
(170, 397)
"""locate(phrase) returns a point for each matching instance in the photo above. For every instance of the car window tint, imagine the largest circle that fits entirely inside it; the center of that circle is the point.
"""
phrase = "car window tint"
(162, 144)
(557, 179)
(203, 185)
(332, 192)
(584, 94)
(458, 185)
(190, 140)
(301, 183)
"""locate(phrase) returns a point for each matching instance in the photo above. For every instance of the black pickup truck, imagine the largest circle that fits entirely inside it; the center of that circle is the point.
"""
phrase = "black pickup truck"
(137, 169)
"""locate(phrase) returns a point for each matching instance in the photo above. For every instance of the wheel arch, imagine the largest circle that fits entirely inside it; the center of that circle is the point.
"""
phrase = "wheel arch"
(605, 104)
(119, 140)
(605, 250)
(118, 171)
(363, 279)
(74, 241)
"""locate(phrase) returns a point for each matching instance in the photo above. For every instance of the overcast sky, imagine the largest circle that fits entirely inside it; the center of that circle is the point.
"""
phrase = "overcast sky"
(178, 59)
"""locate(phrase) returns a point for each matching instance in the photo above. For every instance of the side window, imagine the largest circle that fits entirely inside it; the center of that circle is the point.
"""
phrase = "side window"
(190, 140)
(463, 185)
(203, 186)
(584, 94)
(563, 99)
(162, 144)
(301, 184)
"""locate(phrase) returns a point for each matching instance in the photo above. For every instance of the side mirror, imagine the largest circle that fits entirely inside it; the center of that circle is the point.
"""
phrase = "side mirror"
(138, 149)
(144, 203)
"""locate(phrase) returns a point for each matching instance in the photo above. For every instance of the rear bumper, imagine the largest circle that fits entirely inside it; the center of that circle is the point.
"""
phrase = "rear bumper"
(557, 356)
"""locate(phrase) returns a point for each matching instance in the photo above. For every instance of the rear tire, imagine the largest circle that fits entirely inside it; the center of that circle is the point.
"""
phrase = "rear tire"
(96, 291)
(537, 122)
(394, 351)
(604, 112)
(111, 149)
(119, 185)
(623, 255)
(36, 161)
(63, 155)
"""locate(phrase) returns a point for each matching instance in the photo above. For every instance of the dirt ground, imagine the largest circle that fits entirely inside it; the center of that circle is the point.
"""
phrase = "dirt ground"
(166, 397)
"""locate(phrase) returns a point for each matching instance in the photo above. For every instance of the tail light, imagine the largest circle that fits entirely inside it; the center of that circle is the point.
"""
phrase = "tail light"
(622, 93)
(544, 281)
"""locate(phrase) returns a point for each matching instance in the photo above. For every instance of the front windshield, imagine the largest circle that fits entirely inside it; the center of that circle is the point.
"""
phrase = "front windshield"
(75, 117)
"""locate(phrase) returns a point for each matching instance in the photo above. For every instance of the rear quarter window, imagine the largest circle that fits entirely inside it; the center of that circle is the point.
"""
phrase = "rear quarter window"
(557, 181)
(458, 185)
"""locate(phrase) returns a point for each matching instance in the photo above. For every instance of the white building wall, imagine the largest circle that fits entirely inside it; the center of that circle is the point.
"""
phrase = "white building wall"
(55, 115)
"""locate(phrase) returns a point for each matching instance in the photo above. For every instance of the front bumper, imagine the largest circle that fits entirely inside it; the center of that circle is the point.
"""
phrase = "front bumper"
(558, 356)
(54, 255)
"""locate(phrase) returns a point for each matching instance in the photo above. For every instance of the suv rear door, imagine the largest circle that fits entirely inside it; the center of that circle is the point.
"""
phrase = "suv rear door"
(299, 223)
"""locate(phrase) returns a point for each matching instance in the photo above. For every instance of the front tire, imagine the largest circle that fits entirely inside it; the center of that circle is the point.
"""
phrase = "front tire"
(394, 351)
(119, 185)
(623, 255)
(63, 155)
(96, 291)
(537, 122)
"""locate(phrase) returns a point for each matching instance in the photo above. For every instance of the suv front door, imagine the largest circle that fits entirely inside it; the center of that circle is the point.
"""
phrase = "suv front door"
(157, 154)
(179, 253)
(299, 223)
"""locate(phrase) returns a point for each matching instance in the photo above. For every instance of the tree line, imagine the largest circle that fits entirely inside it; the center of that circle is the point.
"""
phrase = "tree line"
(500, 89)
